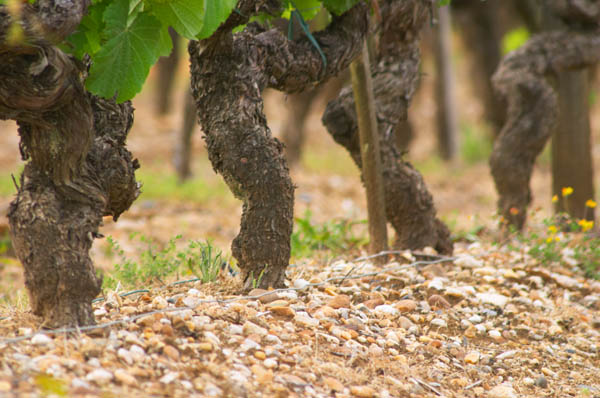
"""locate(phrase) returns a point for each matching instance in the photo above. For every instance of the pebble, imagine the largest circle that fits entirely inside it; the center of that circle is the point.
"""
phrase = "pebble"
(528, 381)
(123, 377)
(437, 284)
(252, 328)
(467, 261)
(125, 355)
(502, 391)
(402, 306)
(472, 357)
(386, 309)
(541, 382)
(438, 322)
(169, 378)
(492, 298)
(437, 302)
(137, 352)
(362, 391)
(236, 329)
(41, 339)
(475, 319)
(171, 352)
(270, 363)
(283, 311)
(506, 355)
(304, 320)
(340, 301)
(159, 303)
(405, 323)
(333, 384)
(496, 335)
(301, 283)
(248, 345)
(264, 297)
(100, 376)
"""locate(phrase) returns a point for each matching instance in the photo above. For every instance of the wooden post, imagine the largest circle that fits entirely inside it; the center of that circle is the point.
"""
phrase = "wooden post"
(571, 145)
(362, 86)
(445, 87)
(571, 138)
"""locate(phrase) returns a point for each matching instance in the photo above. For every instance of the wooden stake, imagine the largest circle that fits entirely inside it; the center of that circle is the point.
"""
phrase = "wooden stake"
(362, 86)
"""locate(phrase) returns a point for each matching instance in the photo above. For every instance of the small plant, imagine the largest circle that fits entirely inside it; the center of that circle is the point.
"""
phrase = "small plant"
(335, 236)
(566, 241)
(256, 281)
(200, 259)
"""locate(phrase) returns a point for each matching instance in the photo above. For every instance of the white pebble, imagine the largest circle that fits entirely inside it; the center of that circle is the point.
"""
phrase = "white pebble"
(438, 322)
(100, 376)
(41, 339)
(386, 309)
(301, 283)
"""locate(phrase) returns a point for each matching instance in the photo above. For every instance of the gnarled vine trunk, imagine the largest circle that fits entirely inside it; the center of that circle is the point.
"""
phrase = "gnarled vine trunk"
(524, 80)
(78, 169)
(409, 205)
(229, 72)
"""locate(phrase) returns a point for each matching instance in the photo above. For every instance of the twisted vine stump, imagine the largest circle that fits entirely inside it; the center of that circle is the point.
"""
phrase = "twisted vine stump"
(524, 79)
(78, 169)
(408, 204)
(229, 73)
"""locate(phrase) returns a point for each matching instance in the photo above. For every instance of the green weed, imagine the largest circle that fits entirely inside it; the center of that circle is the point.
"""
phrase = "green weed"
(565, 241)
(336, 236)
(155, 264)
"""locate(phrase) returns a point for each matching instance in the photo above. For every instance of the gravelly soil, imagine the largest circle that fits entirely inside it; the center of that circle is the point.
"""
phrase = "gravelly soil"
(487, 323)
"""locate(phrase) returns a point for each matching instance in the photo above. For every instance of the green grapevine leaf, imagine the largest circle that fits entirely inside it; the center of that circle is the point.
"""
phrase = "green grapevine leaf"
(308, 8)
(338, 7)
(216, 12)
(87, 38)
(185, 16)
(122, 64)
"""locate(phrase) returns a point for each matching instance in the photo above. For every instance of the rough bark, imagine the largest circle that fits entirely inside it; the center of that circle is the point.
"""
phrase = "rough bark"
(229, 73)
(409, 205)
(78, 169)
(523, 80)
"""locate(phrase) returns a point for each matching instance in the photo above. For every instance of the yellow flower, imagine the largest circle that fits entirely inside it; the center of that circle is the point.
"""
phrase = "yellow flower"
(585, 225)
(557, 238)
(549, 239)
(555, 199)
(552, 229)
(590, 203)
(566, 191)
